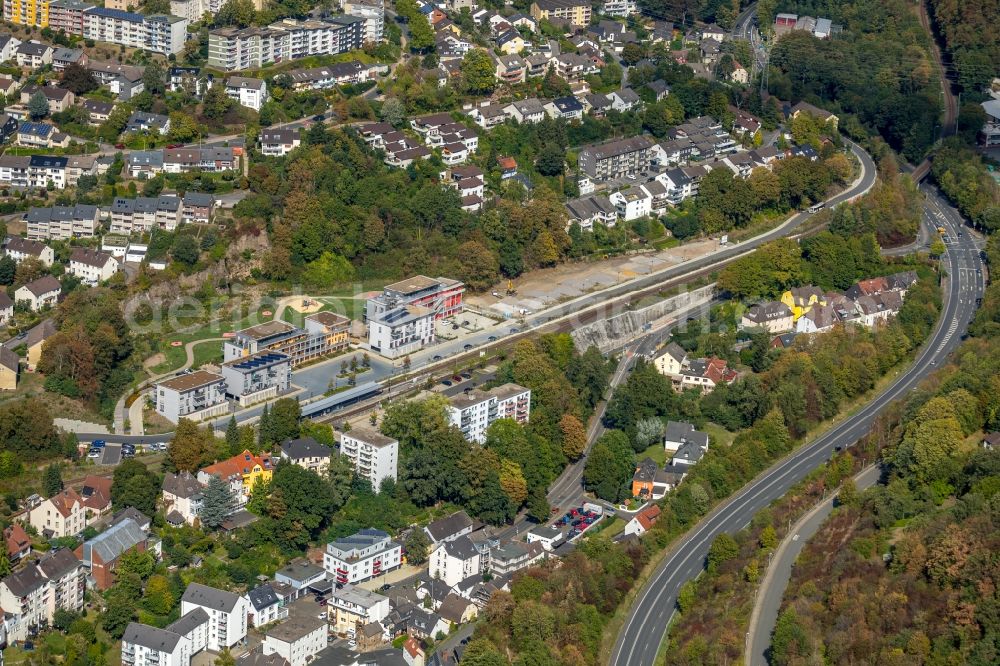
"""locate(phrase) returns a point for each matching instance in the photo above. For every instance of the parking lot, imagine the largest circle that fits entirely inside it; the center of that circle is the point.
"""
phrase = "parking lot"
(579, 520)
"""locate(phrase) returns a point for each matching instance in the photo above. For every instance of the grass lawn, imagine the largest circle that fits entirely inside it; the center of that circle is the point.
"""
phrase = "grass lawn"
(719, 435)
(656, 452)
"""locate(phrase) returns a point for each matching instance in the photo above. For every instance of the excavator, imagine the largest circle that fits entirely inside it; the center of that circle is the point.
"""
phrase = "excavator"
(510, 288)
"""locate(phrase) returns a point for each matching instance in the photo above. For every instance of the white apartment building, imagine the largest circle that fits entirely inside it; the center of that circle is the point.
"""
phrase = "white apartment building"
(144, 645)
(373, 13)
(251, 93)
(62, 222)
(620, 8)
(232, 49)
(92, 266)
(258, 377)
(351, 605)
(401, 331)
(196, 395)
(374, 455)
(297, 640)
(475, 411)
(174, 645)
(366, 554)
(227, 614)
(31, 596)
(157, 32)
(454, 561)
(142, 214)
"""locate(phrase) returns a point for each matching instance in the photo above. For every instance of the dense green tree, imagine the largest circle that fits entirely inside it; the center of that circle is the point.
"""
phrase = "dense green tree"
(478, 72)
(610, 466)
(38, 105)
(416, 545)
(52, 481)
(77, 79)
(133, 484)
(217, 503)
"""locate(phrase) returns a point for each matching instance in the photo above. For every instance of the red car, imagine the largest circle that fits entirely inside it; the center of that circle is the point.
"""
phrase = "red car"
(120, 146)
(175, 145)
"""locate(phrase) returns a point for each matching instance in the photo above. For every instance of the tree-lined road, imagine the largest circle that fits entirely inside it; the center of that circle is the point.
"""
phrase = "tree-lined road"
(640, 638)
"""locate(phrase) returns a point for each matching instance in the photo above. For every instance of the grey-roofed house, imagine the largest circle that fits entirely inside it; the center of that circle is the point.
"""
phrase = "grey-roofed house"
(197, 207)
(144, 163)
(265, 605)
(101, 554)
(143, 644)
(450, 527)
(141, 121)
(307, 452)
(299, 638)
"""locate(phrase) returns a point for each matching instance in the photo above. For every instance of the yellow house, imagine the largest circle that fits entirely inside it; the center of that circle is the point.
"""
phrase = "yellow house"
(36, 338)
(801, 299)
(242, 472)
(9, 364)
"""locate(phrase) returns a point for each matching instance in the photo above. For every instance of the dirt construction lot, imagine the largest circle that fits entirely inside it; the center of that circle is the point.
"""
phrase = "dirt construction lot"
(542, 288)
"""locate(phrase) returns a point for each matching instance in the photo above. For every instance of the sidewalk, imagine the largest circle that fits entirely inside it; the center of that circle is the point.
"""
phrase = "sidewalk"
(779, 571)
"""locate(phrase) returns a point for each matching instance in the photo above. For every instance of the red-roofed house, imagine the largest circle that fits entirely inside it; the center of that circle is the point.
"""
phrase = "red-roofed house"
(96, 494)
(643, 521)
(413, 653)
(241, 471)
(705, 374)
(869, 287)
(18, 543)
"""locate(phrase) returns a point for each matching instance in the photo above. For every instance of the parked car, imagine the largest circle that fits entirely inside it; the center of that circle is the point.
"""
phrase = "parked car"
(492, 338)
(446, 382)
(437, 357)
(467, 375)
(385, 587)
(97, 444)
(467, 347)
(94, 453)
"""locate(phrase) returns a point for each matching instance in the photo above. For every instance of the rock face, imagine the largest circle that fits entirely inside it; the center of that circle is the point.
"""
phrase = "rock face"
(611, 333)
(242, 257)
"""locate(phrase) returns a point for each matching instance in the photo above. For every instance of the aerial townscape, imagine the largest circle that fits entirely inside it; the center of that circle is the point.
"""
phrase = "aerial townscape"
(499, 332)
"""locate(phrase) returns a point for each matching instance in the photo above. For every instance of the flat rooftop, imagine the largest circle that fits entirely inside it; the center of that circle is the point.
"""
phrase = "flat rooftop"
(413, 285)
(266, 330)
(191, 381)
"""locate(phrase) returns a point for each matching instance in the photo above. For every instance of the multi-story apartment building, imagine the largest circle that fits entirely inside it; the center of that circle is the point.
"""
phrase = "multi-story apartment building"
(157, 32)
(367, 554)
(196, 395)
(62, 515)
(35, 171)
(141, 214)
(27, 12)
(31, 596)
(325, 333)
(575, 12)
(454, 561)
(475, 411)
(257, 377)
(227, 614)
(442, 296)
(400, 331)
(92, 266)
(616, 159)
(621, 8)
(234, 49)
(373, 13)
(374, 455)
(350, 606)
(297, 640)
(67, 15)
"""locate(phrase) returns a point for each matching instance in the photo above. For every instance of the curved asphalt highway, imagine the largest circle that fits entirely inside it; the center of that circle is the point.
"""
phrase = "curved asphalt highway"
(640, 638)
